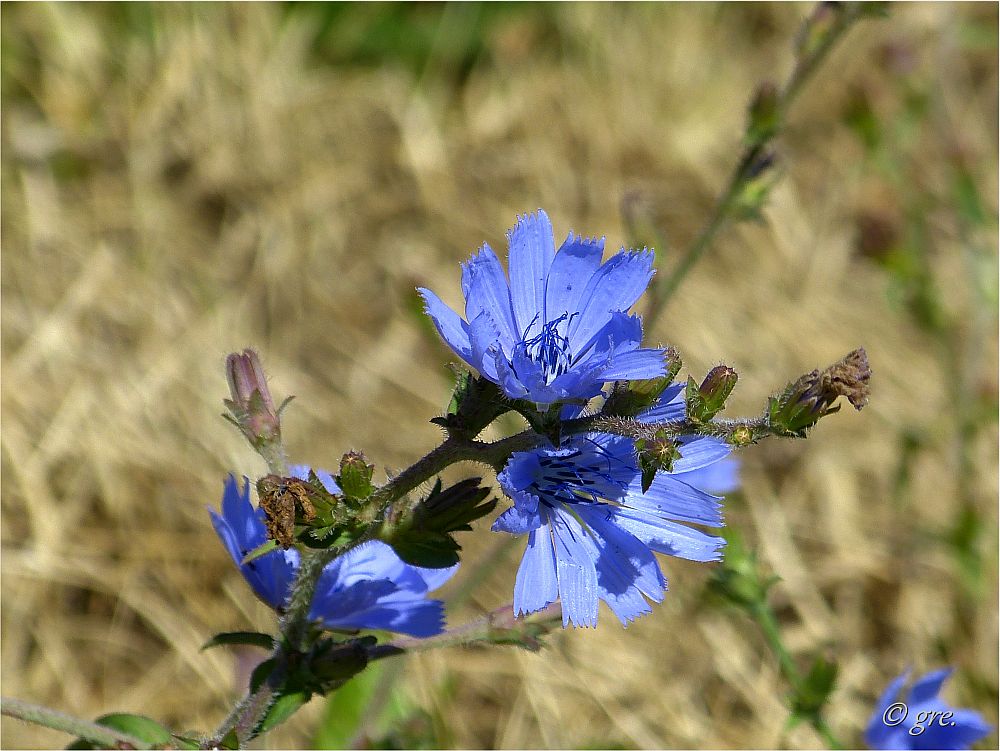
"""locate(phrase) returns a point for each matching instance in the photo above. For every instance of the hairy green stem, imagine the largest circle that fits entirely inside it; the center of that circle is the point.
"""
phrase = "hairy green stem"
(451, 451)
(246, 716)
(481, 630)
(722, 212)
(99, 735)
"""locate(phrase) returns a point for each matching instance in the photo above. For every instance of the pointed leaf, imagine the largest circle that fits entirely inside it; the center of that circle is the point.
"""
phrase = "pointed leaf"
(138, 726)
(259, 551)
(283, 708)
(246, 638)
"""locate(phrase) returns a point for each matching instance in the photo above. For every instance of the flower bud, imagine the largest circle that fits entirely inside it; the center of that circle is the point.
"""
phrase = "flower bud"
(741, 436)
(707, 400)
(628, 398)
(355, 478)
(741, 580)
(333, 663)
(251, 406)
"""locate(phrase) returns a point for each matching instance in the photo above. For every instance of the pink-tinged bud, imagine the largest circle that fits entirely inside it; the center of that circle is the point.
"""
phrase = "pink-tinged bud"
(251, 406)
(718, 385)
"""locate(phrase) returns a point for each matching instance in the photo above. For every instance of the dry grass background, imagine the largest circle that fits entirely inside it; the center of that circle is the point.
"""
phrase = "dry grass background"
(180, 181)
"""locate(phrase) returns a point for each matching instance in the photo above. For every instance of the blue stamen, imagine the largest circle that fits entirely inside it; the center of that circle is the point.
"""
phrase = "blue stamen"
(549, 348)
(579, 475)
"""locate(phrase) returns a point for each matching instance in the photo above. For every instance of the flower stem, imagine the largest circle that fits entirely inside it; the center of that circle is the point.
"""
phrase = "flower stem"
(724, 209)
(764, 616)
(99, 735)
(499, 625)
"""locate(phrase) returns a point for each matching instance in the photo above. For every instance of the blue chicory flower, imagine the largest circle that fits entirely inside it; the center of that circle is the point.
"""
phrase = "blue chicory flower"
(923, 720)
(592, 531)
(560, 329)
(368, 587)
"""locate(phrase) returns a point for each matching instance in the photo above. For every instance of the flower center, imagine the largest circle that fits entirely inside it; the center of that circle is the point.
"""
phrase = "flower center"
(550, 348)
(584, 475)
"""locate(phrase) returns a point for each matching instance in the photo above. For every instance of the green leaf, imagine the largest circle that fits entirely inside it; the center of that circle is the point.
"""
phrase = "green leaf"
(259, 551)
(283, 708)
(429, 550)
(810, 697)
(260, 674)
(247, 638)
(186, 742)
(425, 538)
(138, 726)
(346, 708)
(324, 537)
(230, 740)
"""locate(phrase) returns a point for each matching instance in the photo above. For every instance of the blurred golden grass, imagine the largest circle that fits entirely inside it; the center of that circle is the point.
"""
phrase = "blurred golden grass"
(180, 191)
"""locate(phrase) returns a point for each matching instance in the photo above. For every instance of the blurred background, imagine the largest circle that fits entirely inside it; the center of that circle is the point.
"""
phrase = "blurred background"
(183, 180)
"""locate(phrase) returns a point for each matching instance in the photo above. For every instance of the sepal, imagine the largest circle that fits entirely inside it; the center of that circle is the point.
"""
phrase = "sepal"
(424, 536)
(655, 454)
(629, 398)
(475, 403)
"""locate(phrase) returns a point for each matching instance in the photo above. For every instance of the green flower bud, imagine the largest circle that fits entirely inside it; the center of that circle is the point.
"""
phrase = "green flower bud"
(355, 478)
(707, 400)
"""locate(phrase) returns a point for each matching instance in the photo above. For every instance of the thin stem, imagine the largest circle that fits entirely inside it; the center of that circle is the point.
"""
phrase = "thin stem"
(768, 623)
(821, 726)
(100, 735)
(806, 65)
(660, 294)
(498, 624)
(246, 716)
